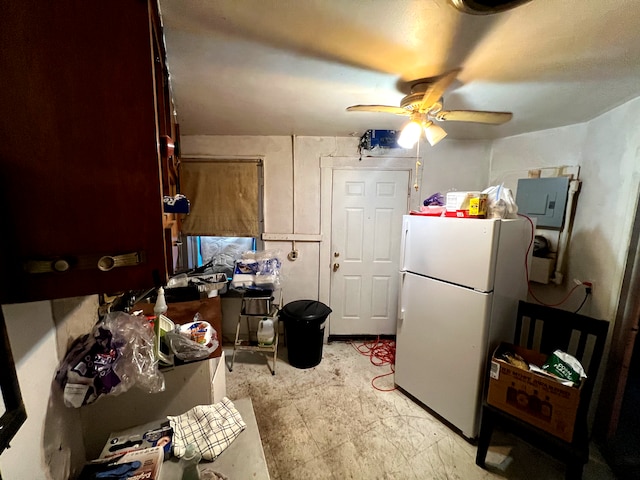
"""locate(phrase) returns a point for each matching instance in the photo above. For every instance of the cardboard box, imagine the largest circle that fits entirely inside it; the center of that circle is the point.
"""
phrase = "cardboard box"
(154, 434)
(466, 205)
(144, 464)
(532, 397)
(478, 206)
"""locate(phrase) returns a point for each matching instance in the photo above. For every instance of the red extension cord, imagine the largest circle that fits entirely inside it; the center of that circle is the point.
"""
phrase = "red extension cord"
(380, 353)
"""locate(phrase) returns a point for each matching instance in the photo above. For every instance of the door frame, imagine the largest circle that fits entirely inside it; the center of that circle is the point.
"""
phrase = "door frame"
(624, 337)
(327, 166)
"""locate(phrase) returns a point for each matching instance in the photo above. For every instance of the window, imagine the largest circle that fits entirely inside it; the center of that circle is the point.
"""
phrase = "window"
(220, 253)
(226, 210)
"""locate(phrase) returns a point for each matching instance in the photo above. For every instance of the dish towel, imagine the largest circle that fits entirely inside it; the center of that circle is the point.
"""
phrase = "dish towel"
(211, 427)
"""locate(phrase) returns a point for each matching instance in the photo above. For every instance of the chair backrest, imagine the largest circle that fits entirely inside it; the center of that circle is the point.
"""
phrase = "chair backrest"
(546, 329)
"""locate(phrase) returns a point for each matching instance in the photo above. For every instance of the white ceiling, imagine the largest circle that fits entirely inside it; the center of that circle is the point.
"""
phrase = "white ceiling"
(291, 67)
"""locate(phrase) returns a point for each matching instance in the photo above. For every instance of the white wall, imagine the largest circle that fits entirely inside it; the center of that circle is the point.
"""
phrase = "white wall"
(292, 188)
(49, 444)
(607, 150)
(461, 165)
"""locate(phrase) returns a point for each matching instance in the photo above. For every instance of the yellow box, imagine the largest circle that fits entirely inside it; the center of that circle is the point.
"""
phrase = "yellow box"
(478, 205)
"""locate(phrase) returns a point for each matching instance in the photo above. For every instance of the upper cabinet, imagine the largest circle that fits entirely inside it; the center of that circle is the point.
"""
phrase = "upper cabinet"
(87, 149)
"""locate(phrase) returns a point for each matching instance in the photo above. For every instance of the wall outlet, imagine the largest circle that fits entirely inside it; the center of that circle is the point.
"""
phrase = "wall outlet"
(585, 283)
(589, 284)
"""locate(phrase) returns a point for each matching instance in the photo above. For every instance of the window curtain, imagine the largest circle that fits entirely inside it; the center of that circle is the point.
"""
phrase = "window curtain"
(224, 197)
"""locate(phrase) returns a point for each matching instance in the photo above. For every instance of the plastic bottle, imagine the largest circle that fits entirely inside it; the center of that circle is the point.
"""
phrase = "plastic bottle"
(189, 463)
(266, 332)
(161, 304)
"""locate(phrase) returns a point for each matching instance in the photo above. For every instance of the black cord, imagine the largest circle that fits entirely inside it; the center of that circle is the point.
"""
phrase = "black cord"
(586, 295)
(363, 143)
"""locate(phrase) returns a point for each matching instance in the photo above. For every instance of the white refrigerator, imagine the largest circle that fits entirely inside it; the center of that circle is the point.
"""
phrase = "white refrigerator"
(460, 283)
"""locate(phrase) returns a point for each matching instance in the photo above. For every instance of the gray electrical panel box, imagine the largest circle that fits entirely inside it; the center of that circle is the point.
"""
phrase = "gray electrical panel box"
(543, 198)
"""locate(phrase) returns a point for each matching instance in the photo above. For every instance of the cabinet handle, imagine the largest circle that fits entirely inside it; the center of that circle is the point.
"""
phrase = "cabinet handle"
(167, 146)
(84, 262)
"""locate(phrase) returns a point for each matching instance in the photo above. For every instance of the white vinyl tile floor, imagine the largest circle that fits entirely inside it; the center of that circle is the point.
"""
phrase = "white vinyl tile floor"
(328, 422)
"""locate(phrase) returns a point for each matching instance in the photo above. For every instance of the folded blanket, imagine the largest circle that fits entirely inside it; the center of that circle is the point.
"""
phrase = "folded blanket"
(211, 427)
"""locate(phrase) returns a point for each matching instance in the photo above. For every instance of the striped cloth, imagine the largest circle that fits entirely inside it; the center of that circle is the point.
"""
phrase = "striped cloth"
(211, 427)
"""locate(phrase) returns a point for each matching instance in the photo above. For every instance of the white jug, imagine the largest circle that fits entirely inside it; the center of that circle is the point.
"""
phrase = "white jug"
(266, 332)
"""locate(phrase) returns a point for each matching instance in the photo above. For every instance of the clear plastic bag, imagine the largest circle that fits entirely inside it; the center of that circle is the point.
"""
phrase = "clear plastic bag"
(258, 269)
(117, 354)
(192, 341)
(500, 202)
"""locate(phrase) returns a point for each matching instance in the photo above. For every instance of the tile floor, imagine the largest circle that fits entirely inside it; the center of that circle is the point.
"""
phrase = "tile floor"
(328, 422)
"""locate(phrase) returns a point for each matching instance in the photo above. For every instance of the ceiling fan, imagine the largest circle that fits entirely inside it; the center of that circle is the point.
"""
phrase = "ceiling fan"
(424, 104)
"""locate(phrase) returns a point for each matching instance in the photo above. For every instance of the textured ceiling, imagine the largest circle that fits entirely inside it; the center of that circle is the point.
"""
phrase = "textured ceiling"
(287, 67)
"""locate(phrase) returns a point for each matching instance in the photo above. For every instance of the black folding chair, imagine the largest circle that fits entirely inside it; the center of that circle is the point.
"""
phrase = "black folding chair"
(546, 329)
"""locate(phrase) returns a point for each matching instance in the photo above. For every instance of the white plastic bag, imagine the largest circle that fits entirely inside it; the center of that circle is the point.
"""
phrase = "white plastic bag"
(500, 202)
(193, 341)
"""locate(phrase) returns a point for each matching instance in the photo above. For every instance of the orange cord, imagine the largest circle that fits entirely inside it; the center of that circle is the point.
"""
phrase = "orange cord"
(380, 353)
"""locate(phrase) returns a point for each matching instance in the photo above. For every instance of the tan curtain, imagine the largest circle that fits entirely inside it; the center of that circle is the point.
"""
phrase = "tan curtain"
(224, 196)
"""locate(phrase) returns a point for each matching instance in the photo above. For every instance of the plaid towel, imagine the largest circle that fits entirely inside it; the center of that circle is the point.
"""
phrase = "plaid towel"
(211, 427)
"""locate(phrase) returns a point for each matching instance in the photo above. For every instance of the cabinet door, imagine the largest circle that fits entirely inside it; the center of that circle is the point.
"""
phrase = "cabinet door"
(80, 156)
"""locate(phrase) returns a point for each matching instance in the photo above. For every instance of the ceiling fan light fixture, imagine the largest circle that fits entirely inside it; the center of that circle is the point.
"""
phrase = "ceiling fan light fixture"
(485, 7)
(410, 134)
(434, 133)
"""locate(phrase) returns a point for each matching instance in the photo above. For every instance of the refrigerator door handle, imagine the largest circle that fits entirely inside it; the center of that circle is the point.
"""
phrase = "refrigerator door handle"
(401, 308)
(403, 245)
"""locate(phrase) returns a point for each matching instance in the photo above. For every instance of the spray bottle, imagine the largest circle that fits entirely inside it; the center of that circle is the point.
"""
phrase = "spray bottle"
(161, 304)
(189, 463)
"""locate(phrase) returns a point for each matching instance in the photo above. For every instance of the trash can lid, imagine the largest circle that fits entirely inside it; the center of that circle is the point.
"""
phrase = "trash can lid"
(306, 310)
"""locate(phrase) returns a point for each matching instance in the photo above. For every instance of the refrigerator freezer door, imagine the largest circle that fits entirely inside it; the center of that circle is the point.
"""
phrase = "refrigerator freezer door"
(442, 348)
(455, 250)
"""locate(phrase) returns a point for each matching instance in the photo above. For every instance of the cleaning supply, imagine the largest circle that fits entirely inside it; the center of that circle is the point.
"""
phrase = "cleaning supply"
(161, 304)
(266, 332)
(189, 463)
(161, 326)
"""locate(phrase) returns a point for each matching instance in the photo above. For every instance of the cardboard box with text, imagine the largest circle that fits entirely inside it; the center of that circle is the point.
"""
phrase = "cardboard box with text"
(535, 398)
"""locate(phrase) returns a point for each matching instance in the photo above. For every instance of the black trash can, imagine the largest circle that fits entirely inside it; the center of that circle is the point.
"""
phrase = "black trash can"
(304, 326)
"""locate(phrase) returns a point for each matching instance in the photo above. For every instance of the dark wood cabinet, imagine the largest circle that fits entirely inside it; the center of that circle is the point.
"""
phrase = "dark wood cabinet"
(87, 130)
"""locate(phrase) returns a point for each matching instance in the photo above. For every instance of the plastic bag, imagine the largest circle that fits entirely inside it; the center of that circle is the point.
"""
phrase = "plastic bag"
(500, 202)
(193, 341)
(564, 366)
(437, 199)
(258, 269)
(117, 354)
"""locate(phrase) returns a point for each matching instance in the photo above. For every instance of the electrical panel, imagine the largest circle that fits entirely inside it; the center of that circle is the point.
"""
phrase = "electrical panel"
(544, 199)
(381, 139)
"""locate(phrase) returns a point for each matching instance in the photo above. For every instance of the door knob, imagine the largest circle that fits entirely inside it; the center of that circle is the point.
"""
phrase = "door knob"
(336, 266)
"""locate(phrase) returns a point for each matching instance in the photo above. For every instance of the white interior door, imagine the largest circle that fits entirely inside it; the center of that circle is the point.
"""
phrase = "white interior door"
(366, 226)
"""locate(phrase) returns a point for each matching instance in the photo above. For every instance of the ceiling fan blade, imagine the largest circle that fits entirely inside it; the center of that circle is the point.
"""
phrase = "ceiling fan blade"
(476, 116)
(436, 89)
(379, 108)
